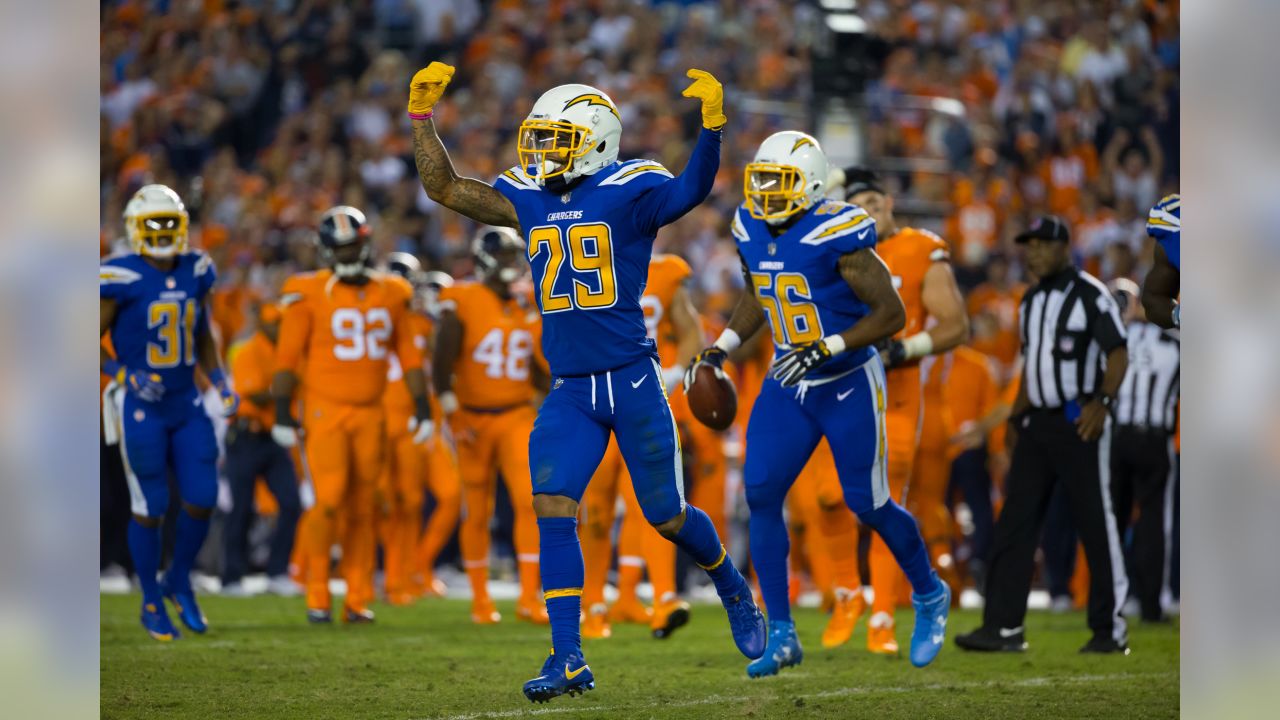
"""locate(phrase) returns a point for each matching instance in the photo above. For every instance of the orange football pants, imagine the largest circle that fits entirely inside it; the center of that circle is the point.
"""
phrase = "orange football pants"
(927, 501)
(488, 444)
(709, 466)
(638, 543)
(345, 448)
(902, 429)
(833, 528)
(446, 488)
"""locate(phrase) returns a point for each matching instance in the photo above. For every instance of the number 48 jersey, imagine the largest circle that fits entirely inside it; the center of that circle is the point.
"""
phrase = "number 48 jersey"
(158, 315)
(499, 342)
(343, 335)
(797, 279)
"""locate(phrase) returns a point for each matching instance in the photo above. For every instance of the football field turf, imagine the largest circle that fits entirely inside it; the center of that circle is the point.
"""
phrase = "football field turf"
(261, 660)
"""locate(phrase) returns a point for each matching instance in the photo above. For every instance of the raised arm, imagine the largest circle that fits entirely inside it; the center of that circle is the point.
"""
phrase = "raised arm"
(470, 197)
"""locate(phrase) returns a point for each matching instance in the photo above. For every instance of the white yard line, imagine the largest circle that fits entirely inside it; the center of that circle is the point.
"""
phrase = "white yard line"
(568, 708)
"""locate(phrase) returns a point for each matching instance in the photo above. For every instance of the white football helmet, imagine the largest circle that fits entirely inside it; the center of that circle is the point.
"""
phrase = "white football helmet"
(788, 174)
(155, 221)
(572, 131)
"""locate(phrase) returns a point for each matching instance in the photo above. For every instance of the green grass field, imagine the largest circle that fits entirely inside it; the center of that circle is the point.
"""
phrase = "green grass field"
(261, 660)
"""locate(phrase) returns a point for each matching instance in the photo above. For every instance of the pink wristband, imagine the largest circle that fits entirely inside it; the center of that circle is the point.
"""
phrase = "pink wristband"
(420, 116)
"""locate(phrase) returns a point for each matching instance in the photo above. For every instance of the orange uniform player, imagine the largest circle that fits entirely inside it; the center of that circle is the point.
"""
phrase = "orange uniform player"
(484, 374)
(408, 556)
(993, 310)
(919, 262)
(346, 323)
(673, 324)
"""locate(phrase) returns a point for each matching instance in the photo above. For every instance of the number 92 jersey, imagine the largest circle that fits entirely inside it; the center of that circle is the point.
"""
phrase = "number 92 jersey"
(158, 316)
(589, 250)
(343, 335)
(797, 279)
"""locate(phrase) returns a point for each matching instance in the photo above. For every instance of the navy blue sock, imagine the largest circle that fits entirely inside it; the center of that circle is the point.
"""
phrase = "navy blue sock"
(901, 533)
(562, 578)
(698, 538)
(769, 547)
(144, 548)
(188, 538)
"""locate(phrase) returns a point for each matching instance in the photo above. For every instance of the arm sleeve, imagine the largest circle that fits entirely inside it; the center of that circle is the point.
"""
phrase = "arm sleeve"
(668, 200)
(206, 275)
(295, 329)
(116, 282)
(848, 232)
(1108, 328)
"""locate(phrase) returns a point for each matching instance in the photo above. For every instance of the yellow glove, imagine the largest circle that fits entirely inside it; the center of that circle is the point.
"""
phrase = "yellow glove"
(707, 89)
(427, 86)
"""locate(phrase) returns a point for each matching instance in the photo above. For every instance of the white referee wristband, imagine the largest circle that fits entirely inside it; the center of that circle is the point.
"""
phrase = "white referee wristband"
(918, 345)
(728, 341)
(835, 344)
(448, 403)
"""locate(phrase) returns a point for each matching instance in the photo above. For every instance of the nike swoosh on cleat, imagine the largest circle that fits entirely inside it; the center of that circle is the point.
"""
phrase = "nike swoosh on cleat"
(1008, 633)
(937, 639)
(571, 674)
(637, 383)
(843, 395)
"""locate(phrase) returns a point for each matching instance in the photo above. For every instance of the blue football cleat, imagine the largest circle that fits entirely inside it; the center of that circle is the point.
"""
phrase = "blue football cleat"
(931, 625)
(746, 622)
(566, 674)
(155, 620)
(783, 651)
(184, 601)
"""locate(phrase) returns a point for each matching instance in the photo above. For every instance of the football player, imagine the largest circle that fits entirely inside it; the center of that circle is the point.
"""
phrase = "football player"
(590, 222)
(919, 264)
(484, 374)
(829, 299)
(343, 324)
(154, 302)
(1161, 288)
(673, 324)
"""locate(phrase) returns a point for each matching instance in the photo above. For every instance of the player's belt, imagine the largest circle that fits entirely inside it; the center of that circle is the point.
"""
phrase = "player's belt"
(493, 410)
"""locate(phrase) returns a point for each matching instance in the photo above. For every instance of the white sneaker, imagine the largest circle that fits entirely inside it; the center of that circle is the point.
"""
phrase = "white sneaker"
(235, 590)
(1061, 604)
(284, 586)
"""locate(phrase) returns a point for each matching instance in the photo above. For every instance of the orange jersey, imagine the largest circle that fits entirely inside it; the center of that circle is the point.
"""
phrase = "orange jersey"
(251, 363)
(666, 274)
(499, 340)
(397, 398)
(1002, 306)
(346, 333)
(909, 254)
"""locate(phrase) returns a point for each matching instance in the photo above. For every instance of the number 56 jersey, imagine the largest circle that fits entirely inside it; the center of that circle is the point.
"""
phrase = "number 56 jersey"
(343, 335)
(797, 279)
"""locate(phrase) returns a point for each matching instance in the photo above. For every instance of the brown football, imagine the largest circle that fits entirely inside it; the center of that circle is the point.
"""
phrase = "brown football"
(712, 398)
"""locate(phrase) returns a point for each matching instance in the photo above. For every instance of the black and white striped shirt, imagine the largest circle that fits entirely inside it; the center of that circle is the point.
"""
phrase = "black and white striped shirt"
(1069, 322)
(1148, 398)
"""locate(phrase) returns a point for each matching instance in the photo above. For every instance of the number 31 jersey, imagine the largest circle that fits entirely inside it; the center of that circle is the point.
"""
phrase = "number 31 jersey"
(797, 279)
(158, 316)
(343, 335)
(499, 342)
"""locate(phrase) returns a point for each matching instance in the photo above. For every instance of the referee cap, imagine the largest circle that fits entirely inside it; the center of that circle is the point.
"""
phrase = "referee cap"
(1045, 227)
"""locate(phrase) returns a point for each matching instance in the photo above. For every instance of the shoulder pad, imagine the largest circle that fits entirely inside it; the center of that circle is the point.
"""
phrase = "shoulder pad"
(632, 169)
(117, 275)
(1166, 217)
(515, 178)
(203, 263)
(737, 228)
(848, 221)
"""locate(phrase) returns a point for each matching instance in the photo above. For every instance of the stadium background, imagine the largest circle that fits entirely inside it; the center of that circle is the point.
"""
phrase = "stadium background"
(981, 113)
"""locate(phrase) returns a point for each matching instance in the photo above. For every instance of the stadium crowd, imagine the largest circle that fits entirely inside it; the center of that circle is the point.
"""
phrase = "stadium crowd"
(263, 113)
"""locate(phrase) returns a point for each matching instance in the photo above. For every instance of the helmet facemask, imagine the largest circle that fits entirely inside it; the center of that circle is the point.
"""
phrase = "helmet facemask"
(158, 234)
(348, 263)
(774, 192)
(550, 147)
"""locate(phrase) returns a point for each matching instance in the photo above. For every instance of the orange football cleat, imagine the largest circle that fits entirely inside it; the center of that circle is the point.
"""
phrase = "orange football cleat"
(430, 586)
(533, 611)
(484, 612)
(849, 606)
(596, 625)
(401, 599)
(881, 638)
(669, 615)
(630, 611)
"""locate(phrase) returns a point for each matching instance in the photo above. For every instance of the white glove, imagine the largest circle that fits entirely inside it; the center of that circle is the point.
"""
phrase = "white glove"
(421, 430)
(672, 377)
(285, 436)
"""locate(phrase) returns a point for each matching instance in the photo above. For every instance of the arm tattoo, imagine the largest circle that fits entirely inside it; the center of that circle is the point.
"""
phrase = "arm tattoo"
(467, 196)
(869, 277)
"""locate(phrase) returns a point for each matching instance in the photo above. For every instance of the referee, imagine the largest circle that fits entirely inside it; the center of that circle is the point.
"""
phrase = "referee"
(1142, 457)
(1073, 343)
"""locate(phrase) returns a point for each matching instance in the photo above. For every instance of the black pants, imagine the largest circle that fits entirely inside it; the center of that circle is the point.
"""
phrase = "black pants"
(252, 455)
(1048, 453)
(1058, 542)
(1141, 461)
(114, 510)
(969, 474)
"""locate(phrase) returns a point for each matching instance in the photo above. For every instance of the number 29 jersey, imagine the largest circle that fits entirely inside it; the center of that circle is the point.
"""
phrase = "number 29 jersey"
(158, 316)
(797, 279)
(343, 334)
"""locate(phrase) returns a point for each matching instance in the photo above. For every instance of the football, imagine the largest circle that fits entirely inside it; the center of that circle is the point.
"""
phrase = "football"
(712, 398)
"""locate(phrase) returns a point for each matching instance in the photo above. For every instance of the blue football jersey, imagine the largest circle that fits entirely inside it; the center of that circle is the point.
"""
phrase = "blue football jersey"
(158, 315)
(1164, 223)
(589, 252)
(797, 279)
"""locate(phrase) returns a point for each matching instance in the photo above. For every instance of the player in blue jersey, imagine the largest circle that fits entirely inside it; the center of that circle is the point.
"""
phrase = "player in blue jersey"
(828, 298)
(154, 304)
(589, 222)
(1161, 288)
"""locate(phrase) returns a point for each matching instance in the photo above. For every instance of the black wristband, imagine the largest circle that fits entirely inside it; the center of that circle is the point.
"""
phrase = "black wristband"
(422, 407)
